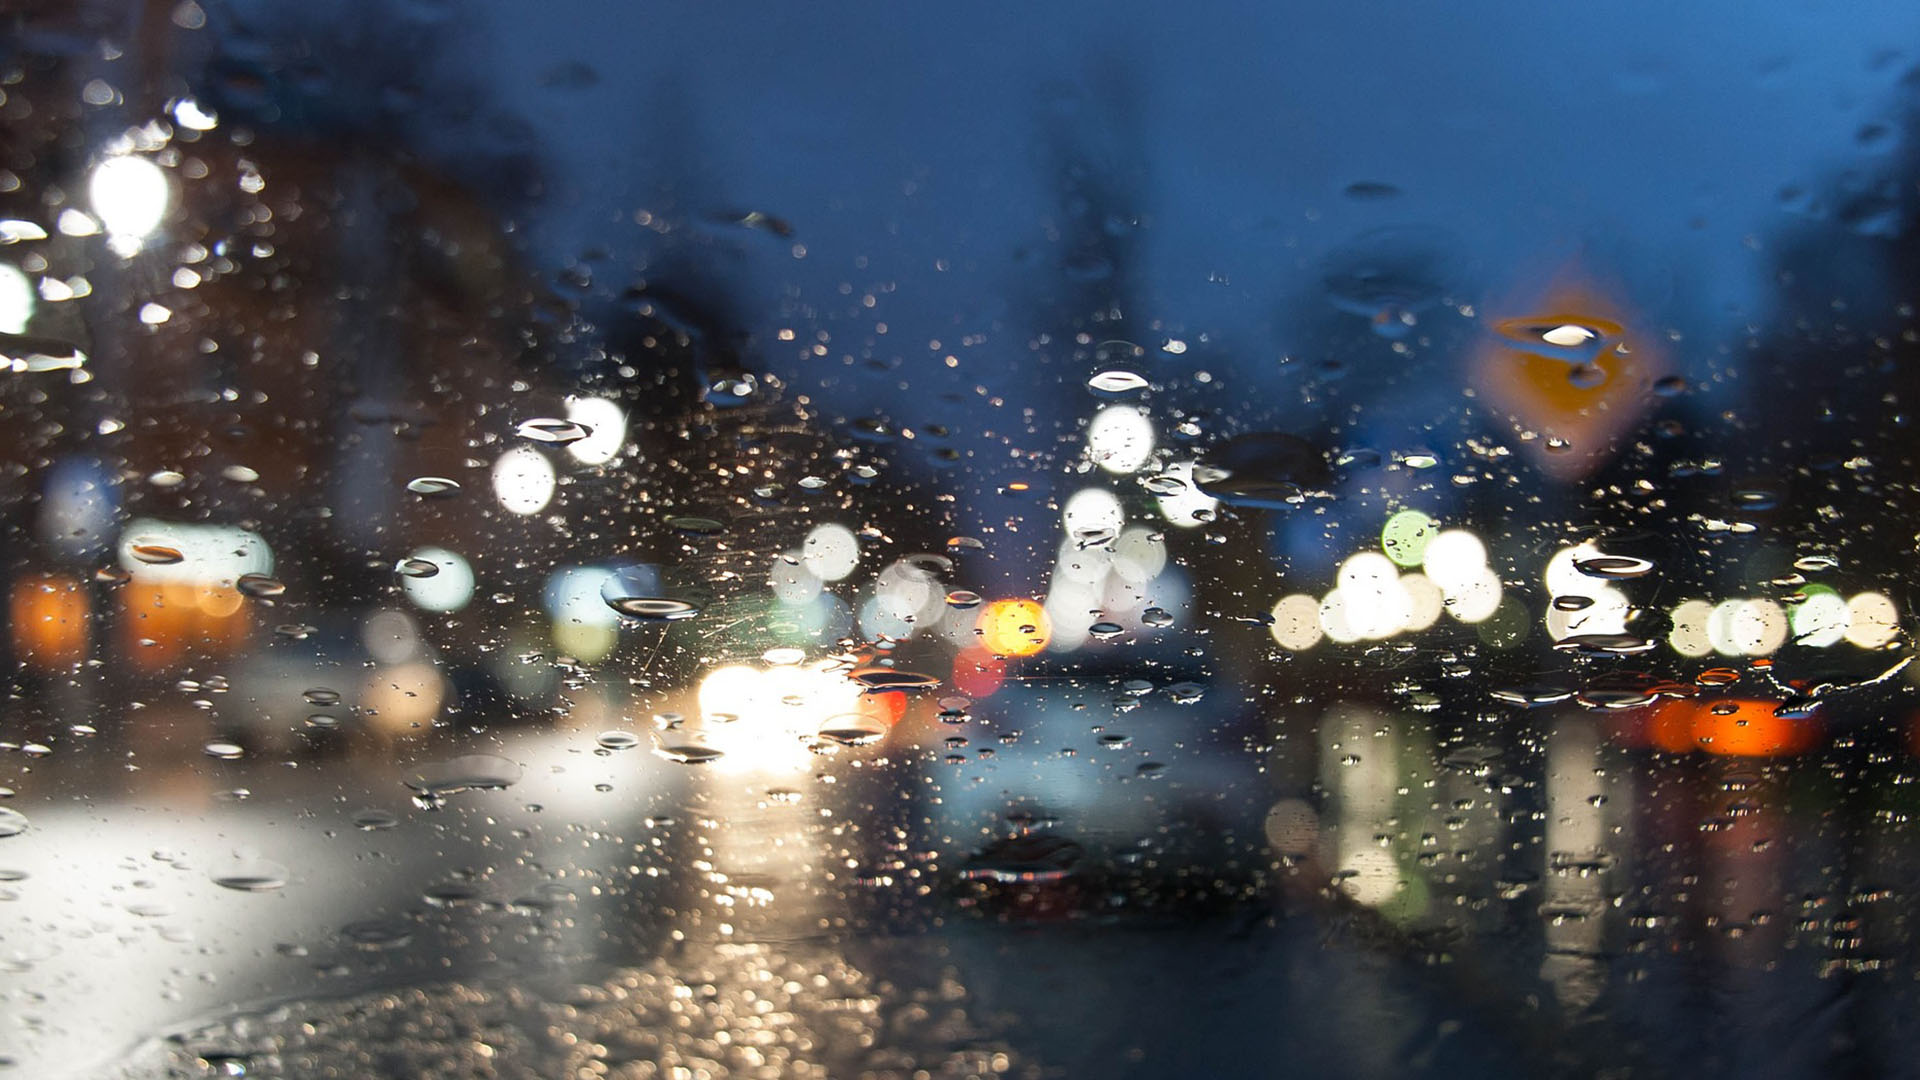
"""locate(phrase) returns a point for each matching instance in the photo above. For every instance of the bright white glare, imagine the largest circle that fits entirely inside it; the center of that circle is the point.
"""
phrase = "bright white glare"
(606, 423)
(1475, 599)
(1091, 512)
(1120, 438)
(1872, 621)
(573, 596)
(523, 481)
(1747, 627)
(448, 590)
(188, 114)
(1370, 875)
(209, 554)
(16, 300)
(1425, 601)
(1567, 336)
(1820, 621)
(1333, 619)
(1608, 607)
(1689, 634)
(129, 196)
(1296, 623)
(760, 719)
(1187, 507)
(1455, 559)
(1375, 605)
(831, 552)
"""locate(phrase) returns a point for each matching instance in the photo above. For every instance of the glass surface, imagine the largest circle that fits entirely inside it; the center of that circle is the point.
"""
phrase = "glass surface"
(1084, 540)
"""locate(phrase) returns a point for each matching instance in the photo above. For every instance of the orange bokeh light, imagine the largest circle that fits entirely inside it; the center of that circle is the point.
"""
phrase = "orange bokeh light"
(888, 706)
(1747, 727)
(1014, 627)
(163, 624)
(50, 620)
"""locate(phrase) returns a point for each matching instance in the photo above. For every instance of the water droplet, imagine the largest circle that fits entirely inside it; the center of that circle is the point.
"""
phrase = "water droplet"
(1813, 564)
(964, 543)
(688, 752)
(376, 934)
(240, 474)
(1106, 629)
(417, 568)
(156, 554)
(1670, 386)
(853, 729)
(1025, 859)
(1269, 469)
(245, 874)
(1572, 340)
(553, 432)
(469, 772)
(961, 599)
(1532, 696)
(1586, 376)
(321, 695)
(695, 525)
(112, 575)
(884, 678)
(1572, 603)
(431, 486)
(1613, 567)
(618, 740)
(1389, 276)
(1604, 644)
(260, 585)
(653, 608)
(1158, 618)
(1370, 191)
(12, 823)
(1117, 381)
(1186, 693)
(1164, 484)
(374, 819)
(225, 751)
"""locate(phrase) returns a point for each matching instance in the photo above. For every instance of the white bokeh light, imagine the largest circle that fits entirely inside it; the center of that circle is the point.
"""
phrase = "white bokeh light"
(448, 590)
(1296, 623)
(129, 195)
(830, 552)
(523, 481)
(16, 300)
(1872, 621)
(1455, 559)
(606, 424)
(1120, 438)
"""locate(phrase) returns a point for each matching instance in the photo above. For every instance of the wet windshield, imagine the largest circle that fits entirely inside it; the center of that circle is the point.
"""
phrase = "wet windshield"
(1088, 541)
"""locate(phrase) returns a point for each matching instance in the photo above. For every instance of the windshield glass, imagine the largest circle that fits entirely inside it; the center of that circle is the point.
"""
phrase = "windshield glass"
(596, 539)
